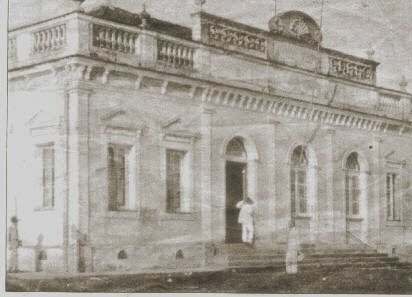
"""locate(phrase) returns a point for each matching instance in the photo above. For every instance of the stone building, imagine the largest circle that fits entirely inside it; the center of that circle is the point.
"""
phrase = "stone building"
(143, 135)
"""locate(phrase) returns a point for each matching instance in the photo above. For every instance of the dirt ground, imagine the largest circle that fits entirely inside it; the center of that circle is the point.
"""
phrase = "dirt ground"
(345, 281)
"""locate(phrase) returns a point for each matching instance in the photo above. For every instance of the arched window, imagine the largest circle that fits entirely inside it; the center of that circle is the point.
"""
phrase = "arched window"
(299, 180)
(352, 185)
(235, 148)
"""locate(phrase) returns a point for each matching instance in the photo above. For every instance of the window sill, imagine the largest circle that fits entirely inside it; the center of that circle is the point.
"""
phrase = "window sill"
(178, 217)
(303, 217)
(395, 224)
(123, 214)
(354, 219)
(42, 209)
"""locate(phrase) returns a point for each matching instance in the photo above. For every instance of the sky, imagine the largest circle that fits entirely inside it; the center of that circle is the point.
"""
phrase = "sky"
(351, 26)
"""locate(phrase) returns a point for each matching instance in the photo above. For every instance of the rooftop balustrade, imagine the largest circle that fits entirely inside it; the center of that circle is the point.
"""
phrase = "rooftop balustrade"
(220, 50)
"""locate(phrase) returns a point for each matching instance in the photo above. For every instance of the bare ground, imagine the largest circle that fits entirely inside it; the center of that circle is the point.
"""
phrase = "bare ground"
(345, 281)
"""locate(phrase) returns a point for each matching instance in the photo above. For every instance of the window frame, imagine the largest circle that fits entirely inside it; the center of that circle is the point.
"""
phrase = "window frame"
(395, 168)
(129, 139)
(41, 147)
(295, 185)
(392, 197)
(183, 143)
(349, 196)
(128, 159)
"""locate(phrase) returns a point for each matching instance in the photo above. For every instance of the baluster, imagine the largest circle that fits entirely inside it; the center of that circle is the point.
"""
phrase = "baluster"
(169, 52)
(59, 37)
(57, 41)
(180, 55)
(190, 57)
(113, 40)
(43, 40)
(48, 39)
(119, 41)
(132, 43)
(102, 39)
(63, 39)
(174, 54)
(126, 42)
(107, 38)
(53, 38)
(164, 51)
(185, 56)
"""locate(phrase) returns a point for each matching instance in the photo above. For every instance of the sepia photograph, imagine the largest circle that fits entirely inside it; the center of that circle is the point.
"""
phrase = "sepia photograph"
(207, 146)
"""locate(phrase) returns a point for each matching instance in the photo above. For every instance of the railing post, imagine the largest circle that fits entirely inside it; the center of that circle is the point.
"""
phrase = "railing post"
(24, 45)
(146, 49)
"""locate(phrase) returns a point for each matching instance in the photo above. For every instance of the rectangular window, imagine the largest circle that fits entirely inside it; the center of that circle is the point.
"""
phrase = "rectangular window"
(175, 181)
(118, 176)
(391, 196)
(48, 175)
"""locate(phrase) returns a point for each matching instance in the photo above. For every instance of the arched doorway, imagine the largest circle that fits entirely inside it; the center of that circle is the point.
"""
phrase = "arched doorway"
(355, 198)
(236, 186)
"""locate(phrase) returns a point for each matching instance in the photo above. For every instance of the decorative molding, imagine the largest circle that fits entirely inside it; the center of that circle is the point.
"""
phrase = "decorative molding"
(298, 26)
(342, 68)
(224, 36)
(216, 95)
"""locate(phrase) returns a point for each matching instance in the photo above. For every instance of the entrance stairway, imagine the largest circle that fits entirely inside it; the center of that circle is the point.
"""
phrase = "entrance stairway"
(242, 257)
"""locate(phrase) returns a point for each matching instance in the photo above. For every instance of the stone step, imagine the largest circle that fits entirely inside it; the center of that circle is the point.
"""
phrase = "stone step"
(346, 255)
(353, 260)
(357, 261)
(256, 257)
(343, 251)
(277, 266)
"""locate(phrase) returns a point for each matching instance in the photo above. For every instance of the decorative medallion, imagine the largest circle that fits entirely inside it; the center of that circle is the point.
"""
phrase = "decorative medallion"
(296, 25)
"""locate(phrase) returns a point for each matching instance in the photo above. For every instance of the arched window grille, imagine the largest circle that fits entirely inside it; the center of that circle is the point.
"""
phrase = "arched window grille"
(299, 180)
(352, 185)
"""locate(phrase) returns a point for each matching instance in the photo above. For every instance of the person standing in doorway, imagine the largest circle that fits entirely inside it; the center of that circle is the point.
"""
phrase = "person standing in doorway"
(247, 208)
(14, 244)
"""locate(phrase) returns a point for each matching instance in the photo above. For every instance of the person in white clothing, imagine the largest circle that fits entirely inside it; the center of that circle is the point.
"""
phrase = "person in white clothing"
(14, 244)
(247, 208)
(293, 253)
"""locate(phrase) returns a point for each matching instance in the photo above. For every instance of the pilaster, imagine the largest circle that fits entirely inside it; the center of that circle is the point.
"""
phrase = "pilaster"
(206, 192)
(271, 179)
(146, 47)
(329, 226)
(77, 201)
(377, 201)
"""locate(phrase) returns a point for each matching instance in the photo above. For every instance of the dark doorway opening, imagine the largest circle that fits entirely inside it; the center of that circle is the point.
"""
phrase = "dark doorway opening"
(235, 187)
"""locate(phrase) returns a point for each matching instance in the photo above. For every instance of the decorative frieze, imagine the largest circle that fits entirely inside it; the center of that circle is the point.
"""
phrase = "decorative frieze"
(350, 70)
(247, 100)
(223, 35)
(174, 54)
(114, 39)
(49, 39)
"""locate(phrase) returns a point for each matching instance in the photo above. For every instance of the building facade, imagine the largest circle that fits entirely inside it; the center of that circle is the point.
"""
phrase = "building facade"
(143, 135)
